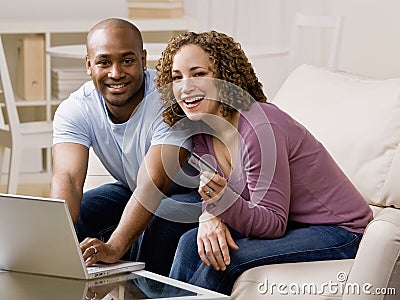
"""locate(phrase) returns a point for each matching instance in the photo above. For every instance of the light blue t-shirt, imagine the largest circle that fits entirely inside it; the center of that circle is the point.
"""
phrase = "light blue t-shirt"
(83, 119)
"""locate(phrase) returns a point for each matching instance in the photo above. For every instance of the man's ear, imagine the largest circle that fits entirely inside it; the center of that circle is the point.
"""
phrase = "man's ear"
(87, 64)
(144, 59)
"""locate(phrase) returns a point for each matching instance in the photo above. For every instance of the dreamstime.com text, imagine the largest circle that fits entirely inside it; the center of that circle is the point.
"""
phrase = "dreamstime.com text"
(338, 287)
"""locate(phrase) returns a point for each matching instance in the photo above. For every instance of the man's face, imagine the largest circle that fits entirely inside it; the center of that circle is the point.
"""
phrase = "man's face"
(115, 61)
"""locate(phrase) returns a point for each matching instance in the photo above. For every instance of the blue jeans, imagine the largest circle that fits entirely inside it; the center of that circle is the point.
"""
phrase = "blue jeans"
(101, 210)
(301, 243)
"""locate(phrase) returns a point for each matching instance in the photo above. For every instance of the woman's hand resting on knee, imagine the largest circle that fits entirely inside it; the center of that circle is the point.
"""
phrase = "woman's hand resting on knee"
(213, 242)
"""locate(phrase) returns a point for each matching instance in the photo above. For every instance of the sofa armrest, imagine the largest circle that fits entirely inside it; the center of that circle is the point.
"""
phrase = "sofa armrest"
(279, 281)
(377, 256)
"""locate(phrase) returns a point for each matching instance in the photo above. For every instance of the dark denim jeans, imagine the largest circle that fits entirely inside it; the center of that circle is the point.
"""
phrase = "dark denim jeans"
(101, 210)
(301, 243)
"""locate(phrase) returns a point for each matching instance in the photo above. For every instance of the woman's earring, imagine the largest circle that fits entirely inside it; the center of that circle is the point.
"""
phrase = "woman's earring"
(144, 68)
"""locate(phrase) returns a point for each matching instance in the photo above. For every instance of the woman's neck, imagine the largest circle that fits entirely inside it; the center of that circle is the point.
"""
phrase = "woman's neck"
(223, 127)
(225, 140)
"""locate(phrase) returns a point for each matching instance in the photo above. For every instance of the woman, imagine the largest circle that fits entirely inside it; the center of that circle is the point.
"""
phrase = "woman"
(278, 195)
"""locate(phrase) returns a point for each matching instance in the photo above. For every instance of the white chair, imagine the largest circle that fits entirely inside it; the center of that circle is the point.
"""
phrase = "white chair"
(18, 136)
(308, 42)
(307, 47)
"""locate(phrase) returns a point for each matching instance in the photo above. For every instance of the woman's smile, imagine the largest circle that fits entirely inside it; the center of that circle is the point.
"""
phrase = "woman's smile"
(192, 102)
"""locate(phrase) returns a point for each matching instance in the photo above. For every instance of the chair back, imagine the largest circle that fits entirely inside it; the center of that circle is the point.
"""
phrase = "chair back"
(2, 120)
(9, 97)
(301, 41)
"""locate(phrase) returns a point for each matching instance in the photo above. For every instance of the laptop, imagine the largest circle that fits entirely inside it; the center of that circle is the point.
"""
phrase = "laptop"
(37, 236)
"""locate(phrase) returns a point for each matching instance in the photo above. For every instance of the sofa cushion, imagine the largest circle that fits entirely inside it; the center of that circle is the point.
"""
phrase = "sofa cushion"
(357, 120)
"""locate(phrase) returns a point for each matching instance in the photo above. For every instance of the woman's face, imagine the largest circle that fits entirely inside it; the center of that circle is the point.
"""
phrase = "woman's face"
(193, 85)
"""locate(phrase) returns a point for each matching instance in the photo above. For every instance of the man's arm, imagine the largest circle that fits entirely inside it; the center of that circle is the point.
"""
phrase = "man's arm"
(70, 161)
(160, 164)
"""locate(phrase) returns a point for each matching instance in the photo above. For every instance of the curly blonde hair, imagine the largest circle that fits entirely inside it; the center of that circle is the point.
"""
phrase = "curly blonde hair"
(229, 62)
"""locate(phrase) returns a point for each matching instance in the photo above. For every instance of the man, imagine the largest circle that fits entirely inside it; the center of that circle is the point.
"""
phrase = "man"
(121, 96)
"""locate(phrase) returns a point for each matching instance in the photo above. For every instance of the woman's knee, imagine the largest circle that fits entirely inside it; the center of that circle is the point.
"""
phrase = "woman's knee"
(187, 242)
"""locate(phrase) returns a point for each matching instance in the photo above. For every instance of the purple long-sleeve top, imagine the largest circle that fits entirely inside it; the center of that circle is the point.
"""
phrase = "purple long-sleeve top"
(282, 174)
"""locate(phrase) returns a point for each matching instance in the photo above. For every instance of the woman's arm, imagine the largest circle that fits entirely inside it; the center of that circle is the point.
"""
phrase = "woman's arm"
(267, 177)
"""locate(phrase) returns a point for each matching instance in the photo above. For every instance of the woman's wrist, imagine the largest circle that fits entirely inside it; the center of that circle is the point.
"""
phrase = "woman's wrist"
(205, 216)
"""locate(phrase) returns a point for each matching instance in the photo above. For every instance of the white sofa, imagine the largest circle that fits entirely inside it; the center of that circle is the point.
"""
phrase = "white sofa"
(358, 120)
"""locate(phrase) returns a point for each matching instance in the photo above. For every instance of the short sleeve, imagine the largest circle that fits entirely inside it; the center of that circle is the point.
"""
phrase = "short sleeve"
(70, 125)
(166, 135)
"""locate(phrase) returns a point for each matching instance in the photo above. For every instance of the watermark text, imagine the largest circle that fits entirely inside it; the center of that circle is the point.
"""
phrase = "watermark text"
(340, 286)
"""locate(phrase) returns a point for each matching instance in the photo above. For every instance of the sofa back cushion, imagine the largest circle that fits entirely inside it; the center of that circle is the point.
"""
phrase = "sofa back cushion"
(356, 119)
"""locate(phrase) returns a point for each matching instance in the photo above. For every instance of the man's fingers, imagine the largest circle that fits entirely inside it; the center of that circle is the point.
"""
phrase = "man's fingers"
(90, 248)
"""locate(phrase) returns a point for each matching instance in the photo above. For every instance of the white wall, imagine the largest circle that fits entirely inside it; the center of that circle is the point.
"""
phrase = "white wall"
(250, 22)
(257, 23)
(370, 42)
(45, 10)
(371, 36)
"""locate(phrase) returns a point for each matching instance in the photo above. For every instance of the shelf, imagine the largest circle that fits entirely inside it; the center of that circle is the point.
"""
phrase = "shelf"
(68, 51)
(73, 26)
(27, 103)
(79, 51)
